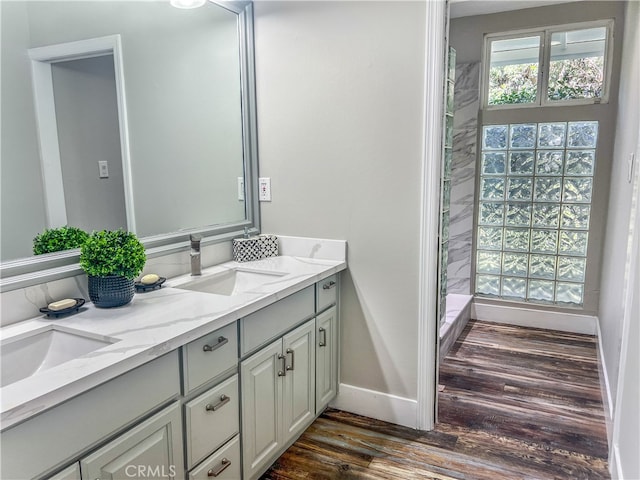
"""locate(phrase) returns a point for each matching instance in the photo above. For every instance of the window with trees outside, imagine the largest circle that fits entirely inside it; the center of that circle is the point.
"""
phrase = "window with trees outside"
(536, 173)
(568, 64)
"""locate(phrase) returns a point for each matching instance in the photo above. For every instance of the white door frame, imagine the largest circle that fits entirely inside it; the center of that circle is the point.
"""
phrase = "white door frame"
(42, 59)
(632, 281)
(435, 44)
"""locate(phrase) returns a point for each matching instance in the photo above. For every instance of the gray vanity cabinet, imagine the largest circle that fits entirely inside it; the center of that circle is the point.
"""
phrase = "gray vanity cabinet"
(153, 449)
(326, 358)
(184, 411)
(278, 396)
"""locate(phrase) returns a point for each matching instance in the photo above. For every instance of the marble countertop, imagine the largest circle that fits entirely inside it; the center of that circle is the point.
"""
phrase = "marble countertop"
(154, 323)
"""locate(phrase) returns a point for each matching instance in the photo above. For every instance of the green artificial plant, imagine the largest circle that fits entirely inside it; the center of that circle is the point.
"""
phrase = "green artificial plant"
(112, 252)
(59, 239)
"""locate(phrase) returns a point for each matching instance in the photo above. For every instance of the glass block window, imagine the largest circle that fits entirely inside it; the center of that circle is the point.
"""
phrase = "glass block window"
(536, 185)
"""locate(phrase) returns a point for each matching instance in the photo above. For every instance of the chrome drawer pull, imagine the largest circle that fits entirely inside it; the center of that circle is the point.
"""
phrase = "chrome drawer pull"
(323, 338)
(223, 466)
(328, 286)
(283, 372)
(210, 348)
(290, 367)
(223, 401)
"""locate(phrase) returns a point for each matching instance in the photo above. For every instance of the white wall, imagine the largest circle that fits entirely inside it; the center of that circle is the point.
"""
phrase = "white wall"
(620, 281)
(340, 119)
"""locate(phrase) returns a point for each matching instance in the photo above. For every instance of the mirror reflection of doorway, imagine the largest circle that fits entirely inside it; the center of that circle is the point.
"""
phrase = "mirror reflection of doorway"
(82, 131)
(89, 142)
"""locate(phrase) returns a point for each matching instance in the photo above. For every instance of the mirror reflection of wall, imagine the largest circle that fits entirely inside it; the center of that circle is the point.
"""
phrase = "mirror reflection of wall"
(88, 133)
(183, 106)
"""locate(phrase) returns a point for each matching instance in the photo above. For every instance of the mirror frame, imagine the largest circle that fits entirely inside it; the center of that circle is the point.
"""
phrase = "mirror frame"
(24, 272)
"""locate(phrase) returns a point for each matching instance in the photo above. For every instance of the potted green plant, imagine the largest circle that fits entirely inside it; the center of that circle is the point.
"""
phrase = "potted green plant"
(112, 259)
(59, 239)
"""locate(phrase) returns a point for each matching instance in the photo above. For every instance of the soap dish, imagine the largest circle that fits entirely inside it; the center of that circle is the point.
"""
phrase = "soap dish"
(148, 287)
(64, 311)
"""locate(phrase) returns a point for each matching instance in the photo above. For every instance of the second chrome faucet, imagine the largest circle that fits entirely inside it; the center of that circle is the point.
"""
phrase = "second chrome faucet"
(196, 264)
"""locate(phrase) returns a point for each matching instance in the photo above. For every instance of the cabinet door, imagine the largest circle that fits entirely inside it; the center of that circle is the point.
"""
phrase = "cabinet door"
(261, 407)
(299, 382)
(152, 449)
(72, 472)
(326, 358)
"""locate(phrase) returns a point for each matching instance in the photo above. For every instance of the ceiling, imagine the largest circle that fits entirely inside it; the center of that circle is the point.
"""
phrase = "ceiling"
(467, 8)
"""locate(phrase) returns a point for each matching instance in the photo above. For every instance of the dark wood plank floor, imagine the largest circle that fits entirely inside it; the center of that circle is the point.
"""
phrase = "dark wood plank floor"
(516, 403)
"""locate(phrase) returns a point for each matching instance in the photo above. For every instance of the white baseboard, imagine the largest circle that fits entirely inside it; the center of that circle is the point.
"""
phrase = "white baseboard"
(615, 468)
(529, 317)
(378, 405)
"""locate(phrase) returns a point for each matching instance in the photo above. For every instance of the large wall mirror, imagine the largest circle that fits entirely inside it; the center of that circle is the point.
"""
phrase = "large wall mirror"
(125, 114)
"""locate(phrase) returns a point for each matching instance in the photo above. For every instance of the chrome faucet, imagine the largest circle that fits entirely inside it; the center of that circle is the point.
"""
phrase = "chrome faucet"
(196, 264)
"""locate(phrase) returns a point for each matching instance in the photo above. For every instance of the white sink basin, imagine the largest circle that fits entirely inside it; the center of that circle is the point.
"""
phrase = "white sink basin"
(231, 282)
(40, 350)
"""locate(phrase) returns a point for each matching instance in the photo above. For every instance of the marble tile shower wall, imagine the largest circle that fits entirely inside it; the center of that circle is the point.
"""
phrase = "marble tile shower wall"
(463, 171)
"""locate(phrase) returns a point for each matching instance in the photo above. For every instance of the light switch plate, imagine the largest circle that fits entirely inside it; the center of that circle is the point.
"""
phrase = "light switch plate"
(240, 188)
(103, 168)
(264, 187)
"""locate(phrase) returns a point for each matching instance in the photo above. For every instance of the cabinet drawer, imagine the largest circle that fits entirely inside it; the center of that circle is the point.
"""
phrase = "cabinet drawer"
(212, 419)
(223, 465)
(326, 293)
(209, 356)
(264, 325)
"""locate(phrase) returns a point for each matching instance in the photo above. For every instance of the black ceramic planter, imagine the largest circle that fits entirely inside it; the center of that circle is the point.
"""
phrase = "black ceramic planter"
(111, 291)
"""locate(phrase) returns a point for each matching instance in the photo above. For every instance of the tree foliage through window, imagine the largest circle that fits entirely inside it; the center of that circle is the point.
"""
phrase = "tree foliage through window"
(513, 84)
(544, 67)
(576, 78)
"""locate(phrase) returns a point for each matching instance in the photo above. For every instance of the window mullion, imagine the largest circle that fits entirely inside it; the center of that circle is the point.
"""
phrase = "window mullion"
(545, 58)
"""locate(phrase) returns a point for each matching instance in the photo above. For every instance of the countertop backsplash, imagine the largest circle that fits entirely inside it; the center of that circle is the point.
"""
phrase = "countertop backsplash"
(25, 303)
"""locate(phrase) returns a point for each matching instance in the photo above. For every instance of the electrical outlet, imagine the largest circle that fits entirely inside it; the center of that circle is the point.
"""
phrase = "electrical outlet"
(103, 168)
(240, 188)
(264, 187)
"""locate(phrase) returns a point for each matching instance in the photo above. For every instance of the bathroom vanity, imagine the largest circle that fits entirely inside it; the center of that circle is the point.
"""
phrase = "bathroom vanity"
(207, 378)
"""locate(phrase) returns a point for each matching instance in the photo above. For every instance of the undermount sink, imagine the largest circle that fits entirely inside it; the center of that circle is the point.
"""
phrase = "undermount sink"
(42, 349)
(231, 282)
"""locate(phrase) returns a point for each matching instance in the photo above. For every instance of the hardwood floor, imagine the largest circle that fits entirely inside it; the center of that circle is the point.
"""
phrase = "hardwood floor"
(516, 403)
